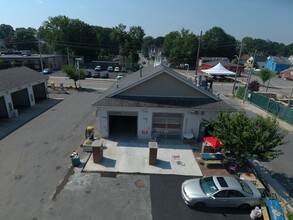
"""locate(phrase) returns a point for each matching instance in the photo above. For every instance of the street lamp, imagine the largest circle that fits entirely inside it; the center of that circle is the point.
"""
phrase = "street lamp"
(187, 70)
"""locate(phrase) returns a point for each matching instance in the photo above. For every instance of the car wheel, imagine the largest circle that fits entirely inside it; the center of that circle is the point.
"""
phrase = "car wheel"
(244, 206)
(199, 205)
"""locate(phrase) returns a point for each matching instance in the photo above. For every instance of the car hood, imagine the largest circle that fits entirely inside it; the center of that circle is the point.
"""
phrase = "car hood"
(192, 188)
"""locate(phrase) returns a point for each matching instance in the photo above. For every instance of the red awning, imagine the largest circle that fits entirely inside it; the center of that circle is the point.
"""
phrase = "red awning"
(213, 142)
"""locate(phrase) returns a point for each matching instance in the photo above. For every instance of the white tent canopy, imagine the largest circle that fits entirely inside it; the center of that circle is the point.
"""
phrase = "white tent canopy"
(219, 70)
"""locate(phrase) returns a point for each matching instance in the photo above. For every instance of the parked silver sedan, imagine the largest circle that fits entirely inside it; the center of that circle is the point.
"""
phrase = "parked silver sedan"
(220, 191)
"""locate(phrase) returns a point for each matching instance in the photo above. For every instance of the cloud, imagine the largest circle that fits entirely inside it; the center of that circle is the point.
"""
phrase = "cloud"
(39, 1)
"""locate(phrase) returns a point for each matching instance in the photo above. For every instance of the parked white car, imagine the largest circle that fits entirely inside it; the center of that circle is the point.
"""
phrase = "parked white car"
(220, 191)
(116, 69)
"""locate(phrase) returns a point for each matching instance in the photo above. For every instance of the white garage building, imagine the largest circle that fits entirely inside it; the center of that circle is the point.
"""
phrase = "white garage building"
(156, 101)
(20, 87)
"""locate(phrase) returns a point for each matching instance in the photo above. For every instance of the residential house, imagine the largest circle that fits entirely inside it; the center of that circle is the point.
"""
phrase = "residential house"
(259, 61)
(287, 74)
(277, 64)
(156, 102)
(20, 87)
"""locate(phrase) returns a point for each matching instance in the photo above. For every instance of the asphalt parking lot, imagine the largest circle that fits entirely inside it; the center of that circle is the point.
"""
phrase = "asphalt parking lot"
(38, 183)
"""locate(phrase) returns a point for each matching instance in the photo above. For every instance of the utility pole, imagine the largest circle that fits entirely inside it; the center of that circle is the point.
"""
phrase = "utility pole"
(197, 56)
(41, 59)
(68, 60)
(244, 98)
(233, 90)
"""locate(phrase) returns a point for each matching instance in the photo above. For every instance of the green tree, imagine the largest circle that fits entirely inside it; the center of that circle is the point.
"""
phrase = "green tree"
(119, 34)
(73, 73)
(248, 137)
(215, 42)
(181, 47)
(61, 33)
(134, 42)
(6, 33)
(148, 43)
(265, 75)
(25, 39)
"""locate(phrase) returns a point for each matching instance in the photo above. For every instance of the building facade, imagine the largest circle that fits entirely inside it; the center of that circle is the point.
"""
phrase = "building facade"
(156, 102)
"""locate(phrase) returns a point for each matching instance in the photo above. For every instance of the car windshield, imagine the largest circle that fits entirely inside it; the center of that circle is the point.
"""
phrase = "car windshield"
(245, 186)
(208, 186)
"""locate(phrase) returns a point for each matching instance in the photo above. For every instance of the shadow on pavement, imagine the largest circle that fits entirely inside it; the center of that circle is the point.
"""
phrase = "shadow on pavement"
(7, 126)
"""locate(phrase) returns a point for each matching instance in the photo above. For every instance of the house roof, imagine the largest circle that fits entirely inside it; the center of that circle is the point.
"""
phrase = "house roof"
(18, 76)
(194, 103)
(281, 60)
(111, 97)
(207, 59)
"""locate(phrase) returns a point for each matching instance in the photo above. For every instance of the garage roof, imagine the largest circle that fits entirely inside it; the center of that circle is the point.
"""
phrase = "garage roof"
(113, 96)
(196, 104)
(18, 76)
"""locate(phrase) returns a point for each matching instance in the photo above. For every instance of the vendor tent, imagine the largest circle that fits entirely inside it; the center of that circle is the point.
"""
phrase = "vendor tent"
(213, 142)
(219, 70)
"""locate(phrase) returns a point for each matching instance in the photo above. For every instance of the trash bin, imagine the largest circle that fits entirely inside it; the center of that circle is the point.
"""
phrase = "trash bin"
(75, 161)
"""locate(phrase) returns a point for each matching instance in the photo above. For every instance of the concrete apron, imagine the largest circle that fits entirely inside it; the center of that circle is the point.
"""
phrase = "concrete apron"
(124, 157)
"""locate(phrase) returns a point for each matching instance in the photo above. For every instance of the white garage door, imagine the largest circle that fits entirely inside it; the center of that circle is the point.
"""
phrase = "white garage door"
(168, 125)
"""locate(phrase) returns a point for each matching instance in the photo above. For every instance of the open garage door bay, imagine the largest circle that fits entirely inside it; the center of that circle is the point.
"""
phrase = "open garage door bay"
(122, 124)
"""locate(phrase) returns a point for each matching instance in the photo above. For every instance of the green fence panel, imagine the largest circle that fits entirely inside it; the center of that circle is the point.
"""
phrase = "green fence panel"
(240, 92)
(259, 100)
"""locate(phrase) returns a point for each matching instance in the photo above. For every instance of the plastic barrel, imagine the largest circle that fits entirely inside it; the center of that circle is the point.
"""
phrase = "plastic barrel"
(75, 161)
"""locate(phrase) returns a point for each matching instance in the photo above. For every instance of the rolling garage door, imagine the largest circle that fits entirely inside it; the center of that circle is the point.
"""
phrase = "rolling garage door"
(167, 125)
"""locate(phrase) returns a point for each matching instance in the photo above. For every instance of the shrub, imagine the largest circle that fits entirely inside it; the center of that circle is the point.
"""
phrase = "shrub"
(254, 86)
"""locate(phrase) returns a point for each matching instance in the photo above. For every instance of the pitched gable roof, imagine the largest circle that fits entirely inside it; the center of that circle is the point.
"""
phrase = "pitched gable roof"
(146, 74)
(114, 96)
(281, 60)
(18, 76)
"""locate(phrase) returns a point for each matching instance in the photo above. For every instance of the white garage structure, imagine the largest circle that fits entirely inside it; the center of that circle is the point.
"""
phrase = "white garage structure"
(20, 87)
(156, 101)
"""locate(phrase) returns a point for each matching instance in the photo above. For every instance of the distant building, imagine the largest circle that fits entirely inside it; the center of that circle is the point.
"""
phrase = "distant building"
(34, 60)
(210, 62)
(277, 64)
(259, 61)
(287, 74)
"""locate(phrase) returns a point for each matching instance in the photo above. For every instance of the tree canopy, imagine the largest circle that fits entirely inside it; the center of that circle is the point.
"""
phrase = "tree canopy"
(60, 34)
(73, 73)
(265, 75)
(248, 137)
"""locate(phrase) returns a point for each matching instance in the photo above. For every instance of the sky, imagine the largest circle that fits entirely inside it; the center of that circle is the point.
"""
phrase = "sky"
(265, 19)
